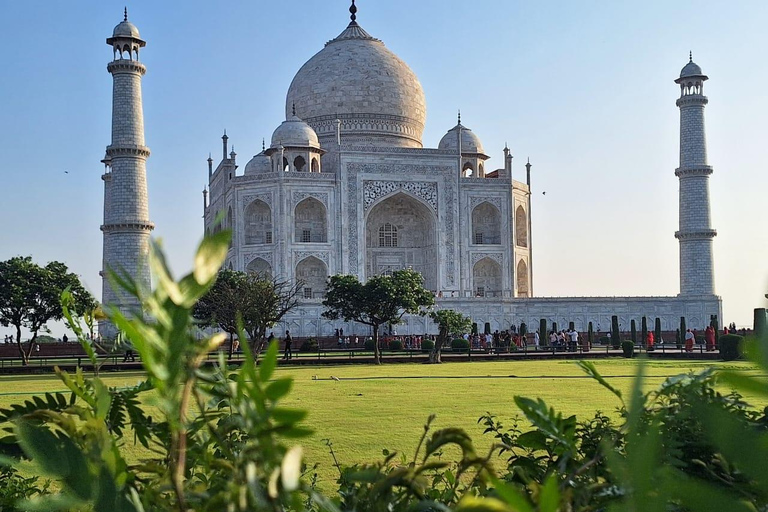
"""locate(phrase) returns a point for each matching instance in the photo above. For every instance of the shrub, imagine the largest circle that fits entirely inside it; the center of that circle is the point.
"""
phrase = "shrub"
(730, 346)
(309, 345)
(395, 345)
(427, 345)
(628, 348)
(460, 345)
(368, 345)
(604, 340)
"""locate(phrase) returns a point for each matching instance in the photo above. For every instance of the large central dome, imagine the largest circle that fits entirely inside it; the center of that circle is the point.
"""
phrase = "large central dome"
(356, 79)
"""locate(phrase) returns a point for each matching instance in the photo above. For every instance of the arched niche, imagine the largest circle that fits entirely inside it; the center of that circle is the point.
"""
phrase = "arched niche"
(486, 278)
(400, 232)
(521, 227)
(260, 266)
(522, 279)
(486, 224)
(258, 223)
(310, 222)
(313, 274)
(299, 163)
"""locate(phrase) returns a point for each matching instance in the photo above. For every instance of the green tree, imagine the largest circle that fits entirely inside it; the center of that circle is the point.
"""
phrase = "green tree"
(644, 333)
(257, 300)
(381, 300)
(450, 323)
(30, 297)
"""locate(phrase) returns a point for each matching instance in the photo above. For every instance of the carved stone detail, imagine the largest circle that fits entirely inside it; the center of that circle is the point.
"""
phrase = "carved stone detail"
(249, 198)
(321, 255)
(249, 256)
(496, 256)
(373, 190)
(298, 197)
(476, 200)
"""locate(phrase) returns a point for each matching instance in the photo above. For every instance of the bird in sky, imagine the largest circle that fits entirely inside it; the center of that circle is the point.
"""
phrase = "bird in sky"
(66, 172)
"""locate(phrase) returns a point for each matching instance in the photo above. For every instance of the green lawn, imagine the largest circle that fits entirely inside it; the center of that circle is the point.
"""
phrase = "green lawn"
(385, 407)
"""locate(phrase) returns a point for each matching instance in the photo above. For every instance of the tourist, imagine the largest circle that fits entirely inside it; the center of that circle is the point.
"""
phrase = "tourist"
(536, 340)
(574, 335)
(64, 338)
(689, 339)
(725, 330)
(553, 338)
(129, 355)
(288, 354)
(709, 336)
(649, 341)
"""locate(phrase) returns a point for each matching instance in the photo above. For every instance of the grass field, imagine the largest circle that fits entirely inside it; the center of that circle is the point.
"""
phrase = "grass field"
(385, 407)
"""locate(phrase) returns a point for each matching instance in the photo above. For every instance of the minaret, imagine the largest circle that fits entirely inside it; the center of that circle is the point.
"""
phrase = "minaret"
(695, 235)
(126, 225)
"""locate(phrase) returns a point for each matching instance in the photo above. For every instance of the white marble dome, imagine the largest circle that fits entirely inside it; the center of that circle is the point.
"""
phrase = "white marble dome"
(691, 69)
(357, 80)
(294, 132)
(259, 164)
(470, 143)
(126, 29)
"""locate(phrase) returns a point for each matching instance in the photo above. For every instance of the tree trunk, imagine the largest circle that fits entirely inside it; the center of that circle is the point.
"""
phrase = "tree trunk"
(435, 357)
(22, 353)
(376, 351)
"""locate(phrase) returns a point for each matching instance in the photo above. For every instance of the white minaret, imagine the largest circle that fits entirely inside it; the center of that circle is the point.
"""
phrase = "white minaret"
(697, 275)
(126, 225)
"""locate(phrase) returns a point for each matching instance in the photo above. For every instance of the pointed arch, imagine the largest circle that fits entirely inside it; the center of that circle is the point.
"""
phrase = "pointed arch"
(315, 165)
(260, 266)
(522, 279)
(486, 224)
(313, 274)
(299, 163)
(258, 223)
(467, 170)
(521, 227)
(486, 278)
(310, 222)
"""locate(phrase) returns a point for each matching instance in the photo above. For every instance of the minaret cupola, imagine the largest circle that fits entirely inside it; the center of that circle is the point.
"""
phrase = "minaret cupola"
(126, 40)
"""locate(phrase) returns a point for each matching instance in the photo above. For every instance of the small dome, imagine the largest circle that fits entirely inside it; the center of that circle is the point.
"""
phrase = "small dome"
(470, 143)
(126, 29)
(259, 164)
(691, 69)
(295, 133)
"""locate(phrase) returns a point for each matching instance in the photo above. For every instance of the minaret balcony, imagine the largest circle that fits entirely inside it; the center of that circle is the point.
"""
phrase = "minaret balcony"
(128, 150)
(701, 234)
(699, 170)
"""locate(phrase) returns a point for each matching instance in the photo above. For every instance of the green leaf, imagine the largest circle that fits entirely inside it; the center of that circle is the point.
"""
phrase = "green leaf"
(549, 495)
(476, 504)
(291, 416)
(278, 389)
(446, 436)
(511, 496)
(590, 369)
(210, 256)
(268, 364)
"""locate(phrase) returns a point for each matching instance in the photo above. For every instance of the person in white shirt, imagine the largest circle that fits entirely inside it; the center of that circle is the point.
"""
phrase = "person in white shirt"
(574, 338)
(536, 339)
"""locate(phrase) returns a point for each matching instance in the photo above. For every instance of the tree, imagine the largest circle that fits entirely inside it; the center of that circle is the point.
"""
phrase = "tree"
(30, 297)
(644, 333)
(633, 331)
(450, 323)
(253, 298)
(381, 300)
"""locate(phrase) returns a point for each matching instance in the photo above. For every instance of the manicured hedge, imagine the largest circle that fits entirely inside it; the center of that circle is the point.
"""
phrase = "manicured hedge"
(628, 347)
(730, 346)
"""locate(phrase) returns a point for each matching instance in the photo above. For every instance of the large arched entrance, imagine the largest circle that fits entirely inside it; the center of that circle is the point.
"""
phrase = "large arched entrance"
(486, 278)
(314, 275)
(400, 233)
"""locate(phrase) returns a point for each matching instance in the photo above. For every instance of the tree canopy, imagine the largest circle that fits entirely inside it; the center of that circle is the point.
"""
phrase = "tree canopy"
(30, 297)
(259, 300)
(383, 299)
(449, 323)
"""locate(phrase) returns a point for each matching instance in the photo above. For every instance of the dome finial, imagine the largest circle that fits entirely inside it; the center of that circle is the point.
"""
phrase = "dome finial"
(690, 56)
(125, 14)
(263, 145)
(353, 11)
(293, 109)
(459, 116)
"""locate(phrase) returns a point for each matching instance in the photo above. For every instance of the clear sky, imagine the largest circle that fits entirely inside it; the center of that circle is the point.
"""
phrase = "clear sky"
(585, 89)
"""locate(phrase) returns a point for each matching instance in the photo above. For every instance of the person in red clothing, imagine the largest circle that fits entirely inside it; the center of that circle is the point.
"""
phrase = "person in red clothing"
(649, 341)
(709, 336)
(689, 339)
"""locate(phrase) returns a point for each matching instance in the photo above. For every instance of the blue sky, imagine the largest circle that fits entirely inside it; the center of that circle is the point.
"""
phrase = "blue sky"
(585, 89)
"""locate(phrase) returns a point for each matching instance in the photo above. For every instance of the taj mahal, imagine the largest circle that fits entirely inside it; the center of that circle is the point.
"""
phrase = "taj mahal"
(346, 185)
